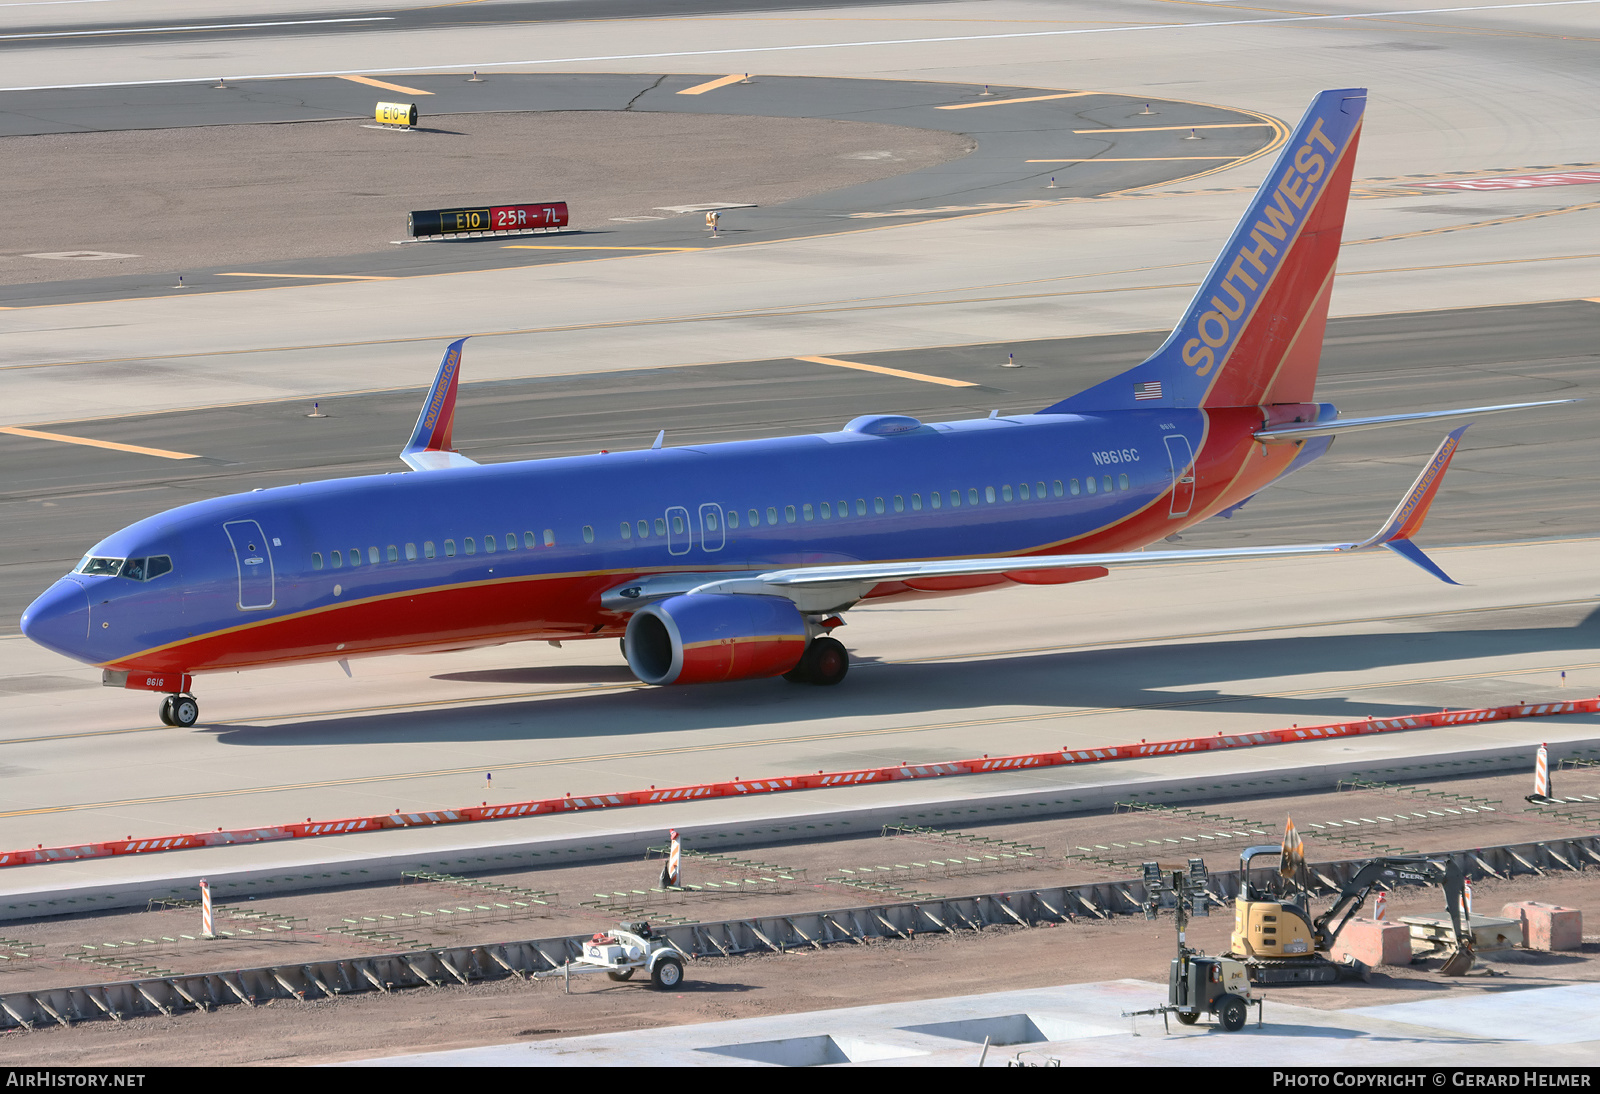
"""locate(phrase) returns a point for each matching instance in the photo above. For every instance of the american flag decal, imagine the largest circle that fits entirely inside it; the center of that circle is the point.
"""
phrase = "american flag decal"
(1151, 390)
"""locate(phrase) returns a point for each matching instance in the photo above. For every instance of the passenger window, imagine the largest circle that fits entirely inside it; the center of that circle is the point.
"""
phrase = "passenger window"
(955, 499)
(489, 545)
(733, 518)
(1005, 493)
(755, 519)
(877, 505)
(1091, 484)
(588, 534)
(1074, 488)
(1024, 491)
(393, 553)
(627, 530)
(844, 509)
(1122, 482)
(827, 511)
(337, 558)
(161, 564)
(972, 495)
(677, 524)
(511, 541)
(1038, 489)
(710, 517)
(661, 526)
(788, 514)
(644, 529)
(772, 515)
(411, 552)
(988, 494)
(1107, 481)
(530, 541)
(427, 548)
(549, 538)
(471, 545)
(355, 556)
(937, 498)
(805, 511)
(316, 560)
(449, 548)
(861, 507)
(372, 555)
(916, 503)
(899, 504)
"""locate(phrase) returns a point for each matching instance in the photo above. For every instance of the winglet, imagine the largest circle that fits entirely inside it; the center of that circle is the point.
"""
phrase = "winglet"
(430, 445)
(1407, 518)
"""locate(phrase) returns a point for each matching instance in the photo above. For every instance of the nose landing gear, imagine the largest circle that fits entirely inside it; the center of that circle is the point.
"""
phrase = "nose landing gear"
(180, 710)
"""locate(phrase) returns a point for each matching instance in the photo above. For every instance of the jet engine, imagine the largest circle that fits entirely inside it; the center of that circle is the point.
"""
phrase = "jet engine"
(703, 638)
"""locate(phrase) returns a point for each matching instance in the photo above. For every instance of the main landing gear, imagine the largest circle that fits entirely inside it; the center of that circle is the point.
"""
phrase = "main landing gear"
(180, 710)
(824, 663)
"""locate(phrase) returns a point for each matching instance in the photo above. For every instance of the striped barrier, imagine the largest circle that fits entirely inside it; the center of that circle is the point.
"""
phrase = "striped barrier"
(820, 780)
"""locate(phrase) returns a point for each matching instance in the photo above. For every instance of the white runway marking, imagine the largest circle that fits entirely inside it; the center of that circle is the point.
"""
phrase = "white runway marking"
(462, 66)
(195, 26)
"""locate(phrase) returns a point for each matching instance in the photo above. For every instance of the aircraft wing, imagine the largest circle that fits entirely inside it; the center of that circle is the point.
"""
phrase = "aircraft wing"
(1395, 534)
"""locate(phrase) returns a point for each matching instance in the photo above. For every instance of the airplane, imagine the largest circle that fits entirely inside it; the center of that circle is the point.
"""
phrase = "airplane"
(731, 561)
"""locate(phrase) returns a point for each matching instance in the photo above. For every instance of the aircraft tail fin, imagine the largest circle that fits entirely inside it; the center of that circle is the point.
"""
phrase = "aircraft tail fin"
(430, 446)
(1252, 336)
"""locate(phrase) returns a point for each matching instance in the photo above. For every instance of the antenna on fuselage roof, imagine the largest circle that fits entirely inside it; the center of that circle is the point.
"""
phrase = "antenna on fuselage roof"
(659, 438)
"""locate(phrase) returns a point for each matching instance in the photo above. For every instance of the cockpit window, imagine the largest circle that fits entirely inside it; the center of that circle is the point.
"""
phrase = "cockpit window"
(100, 567)
(136, 569)
(156, 566)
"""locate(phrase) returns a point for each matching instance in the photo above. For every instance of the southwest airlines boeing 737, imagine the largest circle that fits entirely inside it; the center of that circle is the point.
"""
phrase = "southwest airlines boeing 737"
(730, 561)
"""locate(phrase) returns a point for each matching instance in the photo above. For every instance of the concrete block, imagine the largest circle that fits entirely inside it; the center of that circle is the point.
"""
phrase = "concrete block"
(1373, 943)
(1547, 926)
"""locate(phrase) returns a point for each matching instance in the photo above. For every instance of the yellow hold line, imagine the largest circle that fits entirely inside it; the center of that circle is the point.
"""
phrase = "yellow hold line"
(712, 85)
(370, 82)
(887, 371)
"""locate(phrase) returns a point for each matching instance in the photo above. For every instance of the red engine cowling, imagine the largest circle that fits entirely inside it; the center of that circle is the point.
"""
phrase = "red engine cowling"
(710, 637)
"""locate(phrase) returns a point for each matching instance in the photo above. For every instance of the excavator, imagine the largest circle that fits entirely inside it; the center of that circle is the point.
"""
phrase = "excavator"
(1279, 942)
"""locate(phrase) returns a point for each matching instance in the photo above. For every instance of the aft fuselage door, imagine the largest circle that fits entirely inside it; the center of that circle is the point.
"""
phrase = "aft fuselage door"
(254, 558)
(712, 533)
(1181, 456)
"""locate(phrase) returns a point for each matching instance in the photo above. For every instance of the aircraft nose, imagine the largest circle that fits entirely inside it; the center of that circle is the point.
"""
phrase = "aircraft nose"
(59, 619)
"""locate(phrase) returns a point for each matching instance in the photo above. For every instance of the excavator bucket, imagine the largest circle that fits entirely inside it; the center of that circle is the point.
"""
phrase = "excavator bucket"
(1459, 963)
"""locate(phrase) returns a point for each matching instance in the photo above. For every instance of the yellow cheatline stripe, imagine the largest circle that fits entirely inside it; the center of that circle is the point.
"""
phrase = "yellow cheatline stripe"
(1164, 128)
(1007, 102)
(559, 247)
(370, 82)
(1137, 159)
(324, 277)
(712, 85)
(18, 431)
(887, 371)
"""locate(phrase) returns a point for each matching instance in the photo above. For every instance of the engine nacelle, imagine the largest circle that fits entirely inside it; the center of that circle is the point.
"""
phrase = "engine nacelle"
(710, 637)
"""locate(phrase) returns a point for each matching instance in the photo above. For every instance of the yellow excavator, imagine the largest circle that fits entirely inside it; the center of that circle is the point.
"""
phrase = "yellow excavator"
(1279, 942)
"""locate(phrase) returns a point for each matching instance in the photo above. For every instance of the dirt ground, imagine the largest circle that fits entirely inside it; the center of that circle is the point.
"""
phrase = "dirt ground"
(220, 195)
(1065, 850)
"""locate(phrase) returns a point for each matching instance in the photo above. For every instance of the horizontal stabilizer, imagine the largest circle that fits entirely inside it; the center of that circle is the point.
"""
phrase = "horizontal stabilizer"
(1287, 434)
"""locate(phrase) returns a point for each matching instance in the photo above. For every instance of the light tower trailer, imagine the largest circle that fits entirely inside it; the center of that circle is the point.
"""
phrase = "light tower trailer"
(1198, 984)
(623, 951)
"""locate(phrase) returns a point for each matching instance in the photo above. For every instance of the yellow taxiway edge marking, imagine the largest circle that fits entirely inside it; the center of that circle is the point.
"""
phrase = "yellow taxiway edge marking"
(560, 247)
(370, 82)
(1164, 128)
(887, 371)
(712, 85)
(1137, 159)
(1008, 102)
(1592, 299)
(322, 277)
(18, 431)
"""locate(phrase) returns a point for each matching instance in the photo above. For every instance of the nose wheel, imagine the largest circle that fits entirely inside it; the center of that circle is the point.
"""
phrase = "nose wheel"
(180, 710)
(824, 663)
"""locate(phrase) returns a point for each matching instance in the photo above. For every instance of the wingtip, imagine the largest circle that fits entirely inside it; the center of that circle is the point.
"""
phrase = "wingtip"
(1407, 518)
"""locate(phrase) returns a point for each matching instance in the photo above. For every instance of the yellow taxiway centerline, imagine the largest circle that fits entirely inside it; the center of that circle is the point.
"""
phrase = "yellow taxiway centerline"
(1165, 128)
(1008, 102)
(18, 431)
(887, 371)
(712, 85)
(370, 82)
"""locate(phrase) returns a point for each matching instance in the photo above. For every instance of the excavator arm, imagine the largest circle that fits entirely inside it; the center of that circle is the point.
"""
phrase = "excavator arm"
(1353, 895)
